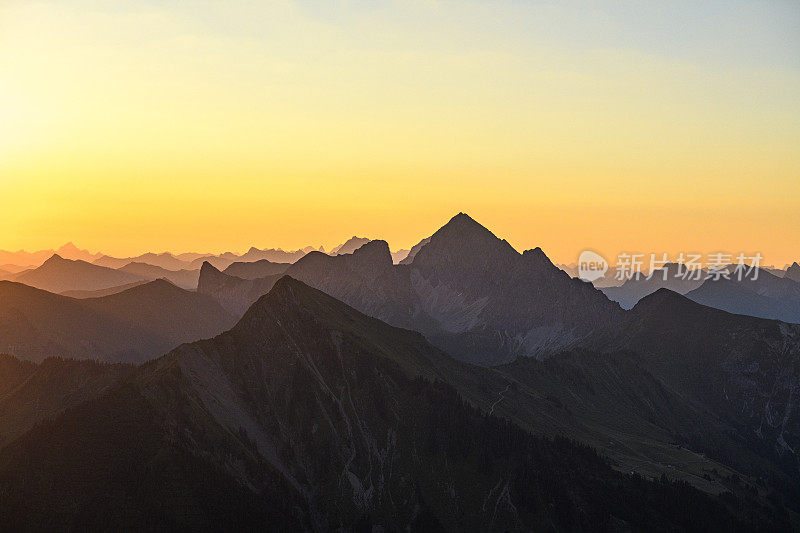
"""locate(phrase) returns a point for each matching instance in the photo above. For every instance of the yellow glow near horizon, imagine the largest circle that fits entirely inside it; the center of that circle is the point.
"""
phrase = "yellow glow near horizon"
(143, 126)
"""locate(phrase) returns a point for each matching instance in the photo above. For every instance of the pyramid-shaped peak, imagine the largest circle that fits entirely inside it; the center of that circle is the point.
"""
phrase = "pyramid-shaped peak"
(462, 226)
(463, 221)
(665, 298)
(55, 259)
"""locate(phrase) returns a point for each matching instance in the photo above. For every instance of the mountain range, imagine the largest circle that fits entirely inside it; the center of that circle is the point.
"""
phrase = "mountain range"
(58, 275)
(469, 292)
(456, 389)
(767, 296)
(310, 415)
(130, 326)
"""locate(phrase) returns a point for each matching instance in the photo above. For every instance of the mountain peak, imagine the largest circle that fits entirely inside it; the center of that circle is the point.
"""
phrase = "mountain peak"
(793, 272)
(377, 250)
(664, 297)
(462, 222)
(54, 260)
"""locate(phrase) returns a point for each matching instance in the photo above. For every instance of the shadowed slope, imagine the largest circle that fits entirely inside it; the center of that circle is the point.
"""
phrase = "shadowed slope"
(133, 325)
(323, 414)
(47, 389)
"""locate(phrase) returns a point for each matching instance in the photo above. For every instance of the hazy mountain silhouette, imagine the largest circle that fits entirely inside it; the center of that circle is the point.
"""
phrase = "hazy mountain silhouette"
(58, 275)
(70, 251)
(217, 262)
(670, 276)
(23, 260)
(103, 292)
(34, 392)
(413, 252)
(349, 246)
(15, 269)
(256, 269)
(130, 326)
(5, 275)
(768, 296)
(164, 260)
(399, 255)
(308, 414)
(186, 279)
(274, 255)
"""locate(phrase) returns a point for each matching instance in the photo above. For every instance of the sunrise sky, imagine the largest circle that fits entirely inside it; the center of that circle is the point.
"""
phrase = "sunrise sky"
(213, 126)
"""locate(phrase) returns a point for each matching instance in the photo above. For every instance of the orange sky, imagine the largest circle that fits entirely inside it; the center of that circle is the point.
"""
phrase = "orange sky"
(128, 127)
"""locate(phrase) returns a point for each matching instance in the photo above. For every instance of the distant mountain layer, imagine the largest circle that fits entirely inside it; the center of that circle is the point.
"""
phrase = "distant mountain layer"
(58, 275)
(186, 279)
(768, 296)
(133, 325)
(672, 276)
(348, 247)
(310, 415)
(399, 255)
(103, 292)
(34, 259)
(256, 269)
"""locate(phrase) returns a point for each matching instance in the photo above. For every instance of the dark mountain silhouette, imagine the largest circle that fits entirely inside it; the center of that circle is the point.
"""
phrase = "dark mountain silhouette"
(311, 415)
(494, 304)
(186, 279)
(58, 275)
(469, 292)
(234, 294)
(256, 269)
(34, 392)
(670, 276)
(768, 296)
(131, 326)
(349, 246)
(793, 272)
(103, 292)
